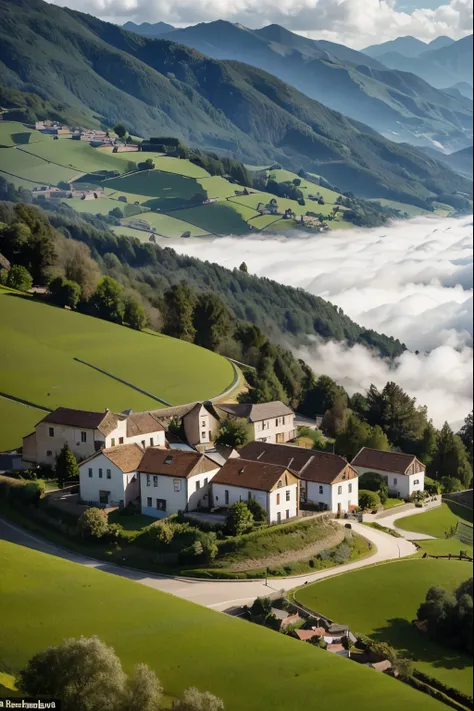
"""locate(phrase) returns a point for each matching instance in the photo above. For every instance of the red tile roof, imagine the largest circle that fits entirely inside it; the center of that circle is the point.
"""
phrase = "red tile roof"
(126, 457)
(309, 464)
(305, 635)
(395, 462)
(105, 422)
(141, 423)
(174, 462)
(256, 413)
(249, 475)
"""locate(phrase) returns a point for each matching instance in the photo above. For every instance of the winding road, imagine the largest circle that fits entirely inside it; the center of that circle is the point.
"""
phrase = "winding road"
(219, 595)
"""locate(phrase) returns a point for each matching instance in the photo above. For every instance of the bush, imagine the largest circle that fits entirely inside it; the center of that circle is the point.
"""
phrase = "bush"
(194, 700)
(239, 519)
(19, 278)
(258, 512)
(93, 523)
(368, 500)
(20, 491)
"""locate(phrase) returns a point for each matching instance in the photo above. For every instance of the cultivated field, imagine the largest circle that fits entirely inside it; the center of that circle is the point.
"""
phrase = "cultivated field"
(40, 342)
(250, 667)
(381, 602)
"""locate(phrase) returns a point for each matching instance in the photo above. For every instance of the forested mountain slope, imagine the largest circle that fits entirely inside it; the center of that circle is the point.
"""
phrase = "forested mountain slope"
(157, 87)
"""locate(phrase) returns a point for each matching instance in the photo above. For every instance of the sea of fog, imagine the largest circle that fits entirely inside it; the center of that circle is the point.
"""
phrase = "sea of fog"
(412, 280)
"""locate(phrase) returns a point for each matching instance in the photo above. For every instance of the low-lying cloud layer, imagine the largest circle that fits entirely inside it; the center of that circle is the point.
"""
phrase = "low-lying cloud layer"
(412, 280)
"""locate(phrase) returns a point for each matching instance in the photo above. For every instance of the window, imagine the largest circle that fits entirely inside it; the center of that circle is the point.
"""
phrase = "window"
(148, 480)
(203, 423)
(350, 488)
(151, 441)
(90, 473)
(161, 504)
(120, 440)
(100, 473)
(112, 442)
(321, 489)
(109, 474)
(206, 481)
(395, 482)
(282, 420)
(288, 495)
(177, 484)
(287, 513)
(51, 431)
(149, 502)
(198, 485)
(280, 484)
(49, 453)
(278, 499)
(339, 489)
(278, 517)
(277, 422)
(249, 496)
(226, 494)
(104, 497)
(203, 435)
(417, 481)
(168, 460)
(83, 436)
(155, 481)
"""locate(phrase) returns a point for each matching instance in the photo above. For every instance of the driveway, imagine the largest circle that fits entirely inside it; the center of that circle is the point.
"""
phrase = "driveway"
(218, 595)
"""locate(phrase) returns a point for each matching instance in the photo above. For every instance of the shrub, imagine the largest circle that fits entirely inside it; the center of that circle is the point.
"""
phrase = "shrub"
(258, 512)
(239, 519)
(194, 700)
(371, 481)
(93, 523)
(209, 546)
(114, 532)
(368, 500)
(19, 278)
(65, 292)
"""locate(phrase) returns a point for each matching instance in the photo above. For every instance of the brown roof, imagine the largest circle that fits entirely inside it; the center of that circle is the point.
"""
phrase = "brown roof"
(309, 464)
(141, 423)
(105, 422)
(166, 414)
(382, 666)
(126, 457)
(396, 462)
(256, 413)
(305, 635)
(174, 462)
(249, 475)
(335, 648)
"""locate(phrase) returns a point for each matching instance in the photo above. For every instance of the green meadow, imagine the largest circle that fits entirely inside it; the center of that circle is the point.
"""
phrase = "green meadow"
(381, 601)
(248, 666)
(16, 418)
(219, 217)
(75, 154)
(40, 342)
(29, 168)
(13, 133)
(166, 226)
(438, 521)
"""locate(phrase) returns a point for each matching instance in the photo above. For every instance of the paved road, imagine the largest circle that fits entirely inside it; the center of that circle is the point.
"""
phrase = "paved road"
(389, 522)
(219, 595)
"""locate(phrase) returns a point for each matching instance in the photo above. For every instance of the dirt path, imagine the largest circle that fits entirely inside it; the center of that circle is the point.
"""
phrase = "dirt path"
(332, 540)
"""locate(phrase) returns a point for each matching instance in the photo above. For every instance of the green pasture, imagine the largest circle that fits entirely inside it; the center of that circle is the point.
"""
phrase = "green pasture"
(264, 221)
(411, 210)
(217, 187)
(39, 343)
(166, 225)
(307, 187)
(445, 546)
(17, 420)
(13, 133)
(223, 218)
(156, 189)
(76, 154)
(250, 667)
(100, 206)
(28, 167)
(381, 601)
(438, 521)
(19, 182)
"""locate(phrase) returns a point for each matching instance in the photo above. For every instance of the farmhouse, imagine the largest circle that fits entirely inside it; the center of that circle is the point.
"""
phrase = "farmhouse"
(109, 477)
(404, 473)
(274, 487)
(268, 422)
(87, 432)
(327, 481)
(174, 480)
(285, 618)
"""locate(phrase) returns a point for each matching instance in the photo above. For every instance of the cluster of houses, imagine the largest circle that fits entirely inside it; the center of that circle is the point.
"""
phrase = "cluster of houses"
(135, 458)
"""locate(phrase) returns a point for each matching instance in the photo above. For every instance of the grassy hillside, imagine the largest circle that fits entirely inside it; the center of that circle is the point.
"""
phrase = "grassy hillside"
(438, 521)
(248, 666)
(382, 602)
(160, 87)
(40, 343)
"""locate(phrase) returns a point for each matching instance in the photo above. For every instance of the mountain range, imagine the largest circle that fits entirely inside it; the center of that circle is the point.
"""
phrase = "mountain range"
(407, 46)
(160, 87)
(396, 104)
(441, 66)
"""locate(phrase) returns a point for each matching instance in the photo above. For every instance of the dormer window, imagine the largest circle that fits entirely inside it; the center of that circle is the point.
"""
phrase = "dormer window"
(168, 460)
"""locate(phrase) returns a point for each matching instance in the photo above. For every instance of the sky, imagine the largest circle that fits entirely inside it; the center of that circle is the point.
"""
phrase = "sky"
(357, 23)
(412, 280)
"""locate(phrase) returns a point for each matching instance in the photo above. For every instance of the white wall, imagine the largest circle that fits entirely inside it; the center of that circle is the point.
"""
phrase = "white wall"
(178, 493)
(153, 439)
(265, 499)
(200, 427)
(281, 507)
(199, 497)
(345, 493)
(401, 485)
(267, 430)
(48, 447)
(235, 494)
(123, 488)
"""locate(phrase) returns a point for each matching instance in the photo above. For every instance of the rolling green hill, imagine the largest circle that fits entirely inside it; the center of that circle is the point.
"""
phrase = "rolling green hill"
(40, 345)
(248, 666)
(158, 86)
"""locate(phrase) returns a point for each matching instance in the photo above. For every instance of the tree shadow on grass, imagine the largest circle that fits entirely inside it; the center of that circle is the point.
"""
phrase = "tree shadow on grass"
(412, 643)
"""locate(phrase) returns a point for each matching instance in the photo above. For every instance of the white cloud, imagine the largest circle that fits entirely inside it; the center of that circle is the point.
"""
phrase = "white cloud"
(354, 22)
(409, 280)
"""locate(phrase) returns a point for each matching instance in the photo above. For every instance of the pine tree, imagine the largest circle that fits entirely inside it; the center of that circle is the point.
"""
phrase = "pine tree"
(179, 311)
(66, 466)
(450, 459)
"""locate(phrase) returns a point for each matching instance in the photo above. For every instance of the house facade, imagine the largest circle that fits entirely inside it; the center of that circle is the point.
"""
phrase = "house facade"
(327, 481)
(404, 473)
(267, 422)
(109, 477)
(86, 432)
(174, 480)
(273, 487)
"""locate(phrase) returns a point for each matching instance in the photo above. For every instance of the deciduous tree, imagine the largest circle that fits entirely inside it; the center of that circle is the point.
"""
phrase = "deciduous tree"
(107, 300)
(19, 278)
(239, 519)
(233, 432)
(66, 468)
(178, 312)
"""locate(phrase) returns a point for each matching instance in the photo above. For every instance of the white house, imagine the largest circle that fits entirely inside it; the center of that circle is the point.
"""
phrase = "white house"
(268, 421)
(174, 480)
(404, 473)
(273, 487)
(109, 477)
(87, 432)
(327, 481)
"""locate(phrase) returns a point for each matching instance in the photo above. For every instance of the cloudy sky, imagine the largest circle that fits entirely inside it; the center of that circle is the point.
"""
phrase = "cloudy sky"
(412, 280)
(357, 23)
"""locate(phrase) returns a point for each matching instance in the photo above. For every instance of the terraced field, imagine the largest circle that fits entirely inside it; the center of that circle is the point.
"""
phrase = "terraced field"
(248, 666)
(37, 364)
